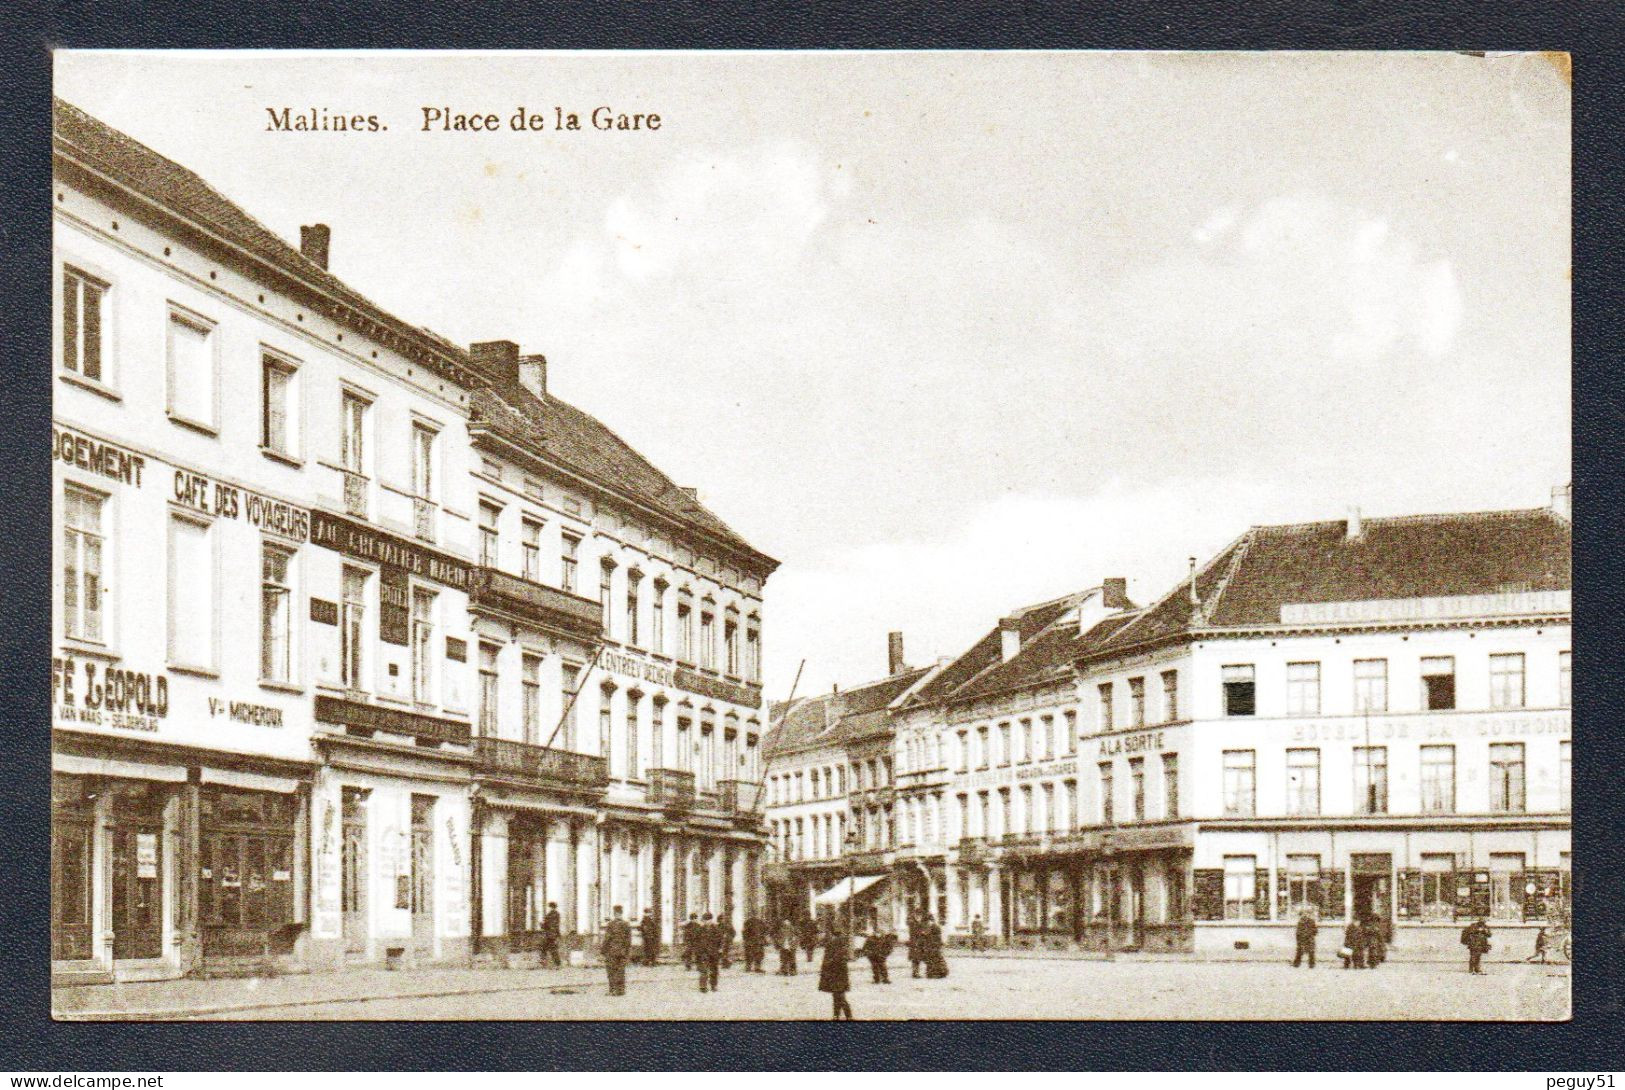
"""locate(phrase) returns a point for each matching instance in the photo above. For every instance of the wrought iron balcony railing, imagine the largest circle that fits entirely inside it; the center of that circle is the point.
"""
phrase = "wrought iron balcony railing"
(738, 796)
(671, 788)
(541, 765)
(493, 588)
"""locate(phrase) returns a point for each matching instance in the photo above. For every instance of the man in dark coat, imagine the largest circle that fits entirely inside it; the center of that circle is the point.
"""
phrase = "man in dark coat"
(1476, 937)
(1307, 930)
(649, 935)
(1376, 943)
(755, 935)
(787, 941)
(690, 929)
(1354, 943)
(877, 948)
(551, 936)
(616, 950)
(708, 952)
(833, 976)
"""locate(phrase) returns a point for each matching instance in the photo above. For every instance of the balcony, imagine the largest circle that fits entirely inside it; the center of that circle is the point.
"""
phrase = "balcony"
(355, 494)
(541, 765)
(671, 788)
(423, 518)
(494, 590)
(870, 861)
(970, 849)
(739, 797)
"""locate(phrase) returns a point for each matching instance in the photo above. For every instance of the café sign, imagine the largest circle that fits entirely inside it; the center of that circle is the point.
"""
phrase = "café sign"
(359, 540)
(1149, 741)
(85, 692)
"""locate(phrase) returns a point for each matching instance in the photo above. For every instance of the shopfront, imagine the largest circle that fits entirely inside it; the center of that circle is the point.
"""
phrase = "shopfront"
(247, 874)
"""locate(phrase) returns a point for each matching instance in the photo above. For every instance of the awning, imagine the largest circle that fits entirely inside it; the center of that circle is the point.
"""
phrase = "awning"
(847, 887)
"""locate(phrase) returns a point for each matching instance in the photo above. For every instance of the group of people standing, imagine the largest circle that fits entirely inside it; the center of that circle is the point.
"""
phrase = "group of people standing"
(834, 976)
(1365, 943)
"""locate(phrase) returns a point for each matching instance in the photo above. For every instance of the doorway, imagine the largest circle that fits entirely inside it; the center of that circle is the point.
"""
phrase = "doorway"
(353, 872)
(1371, 876)
(423, 876)
(138, 890)
(72, 841)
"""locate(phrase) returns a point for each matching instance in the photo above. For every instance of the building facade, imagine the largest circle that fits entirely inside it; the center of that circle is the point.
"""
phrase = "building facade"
(365, 646)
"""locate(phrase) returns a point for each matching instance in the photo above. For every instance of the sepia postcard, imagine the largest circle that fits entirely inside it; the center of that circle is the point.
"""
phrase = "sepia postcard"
(809, 535)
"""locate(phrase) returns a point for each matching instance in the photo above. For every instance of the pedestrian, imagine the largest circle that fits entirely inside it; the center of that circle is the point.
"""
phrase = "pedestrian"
(1476, 937)
(725, 935)
(833, 976)
(755, 935)
(978, 934)
(616, 949)
(1353, 951)
(936, 966)
(708, 952)
(916, 945)
(1540, 948)
(875, 948)
(1307, 930)
(1376, 943)
(787, 941)
(809, 936)
(690, 928)
(649, 935)
(551, 935)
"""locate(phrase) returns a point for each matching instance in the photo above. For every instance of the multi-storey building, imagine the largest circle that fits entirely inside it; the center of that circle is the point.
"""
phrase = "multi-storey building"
(1360, 719)
(831, 806)
(988, 773)
(313, 677)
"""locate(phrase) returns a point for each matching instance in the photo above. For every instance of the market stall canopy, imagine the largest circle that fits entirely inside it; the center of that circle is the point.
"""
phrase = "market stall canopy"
(847, 887)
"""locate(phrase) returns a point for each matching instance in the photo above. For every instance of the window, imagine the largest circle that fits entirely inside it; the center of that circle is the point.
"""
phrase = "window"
(1370, 685)
(352, 628)
(1106, 722)
(1506, 681)
(489, 717)
(1071, 818)
(1439, 683)
(1302, 781)
(276, 616)
(82, 552)
(1302, 879)
(279, 409)
(1170, 695)
(192, 617)
(1070, 720)
(191, 369)
(1238, 690)
(633, 580)
(606, 730)
(708, 642)
(1303, 688)
(606, 579)
(530, 685)
(685, 626)
(1006, 751)
(491, 468)
(633, 769)
(1005, 816)
(83, 299)
(1025, 816)
(657, 735)
(490, 537)
(569, 678)
(423, 657)
(1565, 672)
(423, 475)
(1506, 885)
(1136, 776)
(730, 643)
(1438, 886)
(657, 617)
(1506, 777)
(1170, 785)
(984, 748)
(963, 753)
(1106, 793)
(753, 648)
(984, 810)
(1046, 732)
(1239, 782)
(1370, 779)
(1136, 701)
(1564, 771)
(530, 543)
(1438, 786)
(569, 554)
(1240, 887)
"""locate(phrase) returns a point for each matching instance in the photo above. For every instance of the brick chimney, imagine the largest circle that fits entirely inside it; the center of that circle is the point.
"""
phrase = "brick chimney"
(500, 358)
(894, 653)
(1563, 501)
(1114, 592)
(533, 374)
(1356, 527)
(1009, 638)
(313, 242)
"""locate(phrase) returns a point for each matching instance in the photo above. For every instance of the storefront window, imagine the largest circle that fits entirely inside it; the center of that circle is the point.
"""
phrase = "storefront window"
(1240, 886)
(1438, 886)
(1060, 902)
(1303, 888)
(1027, 906)
(1506, 885)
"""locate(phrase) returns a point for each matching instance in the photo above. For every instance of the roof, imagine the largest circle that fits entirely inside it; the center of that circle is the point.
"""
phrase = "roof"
(1048, 658)
(579, 441)
(989, 650)
(835, 719)
(1416, 556)
(82, 140)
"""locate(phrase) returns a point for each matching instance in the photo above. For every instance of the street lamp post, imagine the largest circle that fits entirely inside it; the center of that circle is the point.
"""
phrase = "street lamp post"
(1107, 851)
(850, 846)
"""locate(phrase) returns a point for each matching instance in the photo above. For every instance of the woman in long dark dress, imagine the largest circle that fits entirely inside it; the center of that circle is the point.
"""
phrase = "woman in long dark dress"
(936, 966)
(833, 976)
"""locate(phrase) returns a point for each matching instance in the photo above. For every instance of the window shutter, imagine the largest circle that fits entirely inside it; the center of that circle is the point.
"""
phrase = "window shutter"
(1410, 894)
(1207, 899)
(1261, 894)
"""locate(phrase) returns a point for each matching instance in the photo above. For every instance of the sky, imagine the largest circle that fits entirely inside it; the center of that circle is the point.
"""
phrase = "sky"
(949, 334)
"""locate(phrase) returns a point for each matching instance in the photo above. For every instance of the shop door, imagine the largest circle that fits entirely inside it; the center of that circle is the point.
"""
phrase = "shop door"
(138, 890)
(524, 915)
(70, 889)
(353, 872)
(1373, 883)
(1137, 907)
(423, 875)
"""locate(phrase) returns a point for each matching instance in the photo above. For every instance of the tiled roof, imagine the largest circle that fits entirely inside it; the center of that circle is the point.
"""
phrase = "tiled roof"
(833, 719)
(1049, 657)
(132, 164)
(988, 651)
(1419, 556)
(563, 433)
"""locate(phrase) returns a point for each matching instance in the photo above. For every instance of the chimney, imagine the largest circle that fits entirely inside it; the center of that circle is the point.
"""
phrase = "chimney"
(1009, 638)
(500, 358)
(1114, 592)
(1563, 501)
(1356, 528)
(1195, 601)
(533, 374)
(894, 653)
(313, 242)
